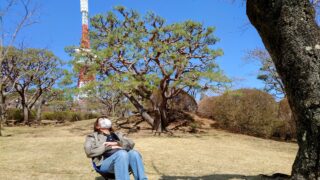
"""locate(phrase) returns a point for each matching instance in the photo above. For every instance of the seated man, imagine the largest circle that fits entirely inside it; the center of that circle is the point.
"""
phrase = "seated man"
(111, 152)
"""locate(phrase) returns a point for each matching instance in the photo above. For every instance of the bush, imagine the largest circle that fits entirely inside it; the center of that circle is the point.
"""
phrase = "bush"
(17, 114)
(62, 116)
(247, 111)
(91, 115)
(76, 117)
(205, 107)
(14, 114)
(287, 130)
(71, 116)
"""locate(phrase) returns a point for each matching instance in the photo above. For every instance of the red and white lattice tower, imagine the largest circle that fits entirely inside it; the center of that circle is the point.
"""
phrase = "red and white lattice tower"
(84, 77)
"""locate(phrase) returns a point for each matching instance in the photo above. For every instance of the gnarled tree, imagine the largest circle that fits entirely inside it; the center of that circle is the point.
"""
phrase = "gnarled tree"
(292, 37)
(8, 35)
(147, 59)
(34, 72)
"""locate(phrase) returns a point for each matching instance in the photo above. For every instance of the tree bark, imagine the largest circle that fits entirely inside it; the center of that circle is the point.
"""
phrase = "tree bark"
(292, 37)
(3, 110)
(25, 114)
(39, 109)
(113, 112)
(25, 107)
(161, 120)
(159, 104)
(140, 109)
(163, 112)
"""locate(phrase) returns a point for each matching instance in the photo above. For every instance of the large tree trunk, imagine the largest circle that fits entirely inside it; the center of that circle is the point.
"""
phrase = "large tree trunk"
(25, 114)
(2, 111)
(140, 109)
(160, 122)
(3, 107)
(164, 116)
(39, 109)
(38, 116)
(292, 37)
(159, 105)
(161, 119)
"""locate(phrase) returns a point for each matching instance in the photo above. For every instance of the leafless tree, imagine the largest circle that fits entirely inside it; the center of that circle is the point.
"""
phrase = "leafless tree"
(8, 39)
(267, 72)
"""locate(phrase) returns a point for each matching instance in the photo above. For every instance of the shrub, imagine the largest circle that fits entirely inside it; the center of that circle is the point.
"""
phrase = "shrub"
(193, 127)
(59, 116)
(62, 116)
(17, 114)
(205, 107)
(247, 111)
(14, 114)
(76, 117)
(90, 115)
(287, 130)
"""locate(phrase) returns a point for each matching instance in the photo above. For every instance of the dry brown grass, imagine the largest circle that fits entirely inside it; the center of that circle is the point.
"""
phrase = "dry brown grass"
(57, 153)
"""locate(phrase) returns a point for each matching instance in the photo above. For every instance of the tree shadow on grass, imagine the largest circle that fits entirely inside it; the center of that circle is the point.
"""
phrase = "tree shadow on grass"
(218, 177)
(276, 176)
(99, 178)
(212, 177)
(208, 177)
(225, 177)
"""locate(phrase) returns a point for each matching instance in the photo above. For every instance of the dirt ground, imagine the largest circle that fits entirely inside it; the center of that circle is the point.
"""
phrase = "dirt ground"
(57, 153)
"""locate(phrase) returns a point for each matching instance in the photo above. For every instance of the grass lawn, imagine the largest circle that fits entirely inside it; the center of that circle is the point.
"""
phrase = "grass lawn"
(57, 153)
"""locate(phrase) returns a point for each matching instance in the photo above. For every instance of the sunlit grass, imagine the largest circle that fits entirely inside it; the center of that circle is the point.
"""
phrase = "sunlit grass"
(57, 153)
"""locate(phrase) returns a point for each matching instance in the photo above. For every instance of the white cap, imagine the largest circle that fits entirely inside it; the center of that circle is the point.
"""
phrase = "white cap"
(105, 123)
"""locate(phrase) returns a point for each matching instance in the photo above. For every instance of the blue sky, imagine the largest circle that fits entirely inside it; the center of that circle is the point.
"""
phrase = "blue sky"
(60, 26)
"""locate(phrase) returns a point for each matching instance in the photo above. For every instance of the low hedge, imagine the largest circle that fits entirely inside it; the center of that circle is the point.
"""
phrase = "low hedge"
(17, 114)
(62, 116)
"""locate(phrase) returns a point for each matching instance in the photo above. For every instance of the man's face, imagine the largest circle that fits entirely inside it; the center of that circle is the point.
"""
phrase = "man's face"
(104, 123)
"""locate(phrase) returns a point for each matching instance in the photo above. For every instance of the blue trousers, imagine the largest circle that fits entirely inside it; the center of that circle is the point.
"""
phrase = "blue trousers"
(119, 163)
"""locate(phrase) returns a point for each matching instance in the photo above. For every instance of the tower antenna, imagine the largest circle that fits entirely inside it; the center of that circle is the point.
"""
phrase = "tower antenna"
(84, 76)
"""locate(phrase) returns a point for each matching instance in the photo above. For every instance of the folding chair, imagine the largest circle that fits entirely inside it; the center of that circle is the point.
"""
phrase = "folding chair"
(106, 176)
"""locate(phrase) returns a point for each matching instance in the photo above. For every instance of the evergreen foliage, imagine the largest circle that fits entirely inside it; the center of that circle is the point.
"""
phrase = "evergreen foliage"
(140, 55)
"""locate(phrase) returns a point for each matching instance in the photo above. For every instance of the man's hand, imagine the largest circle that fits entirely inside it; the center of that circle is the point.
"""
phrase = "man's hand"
(111, 144)
(116, 147)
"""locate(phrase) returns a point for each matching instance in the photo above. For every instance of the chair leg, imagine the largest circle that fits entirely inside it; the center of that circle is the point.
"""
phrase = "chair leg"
(107, 178)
